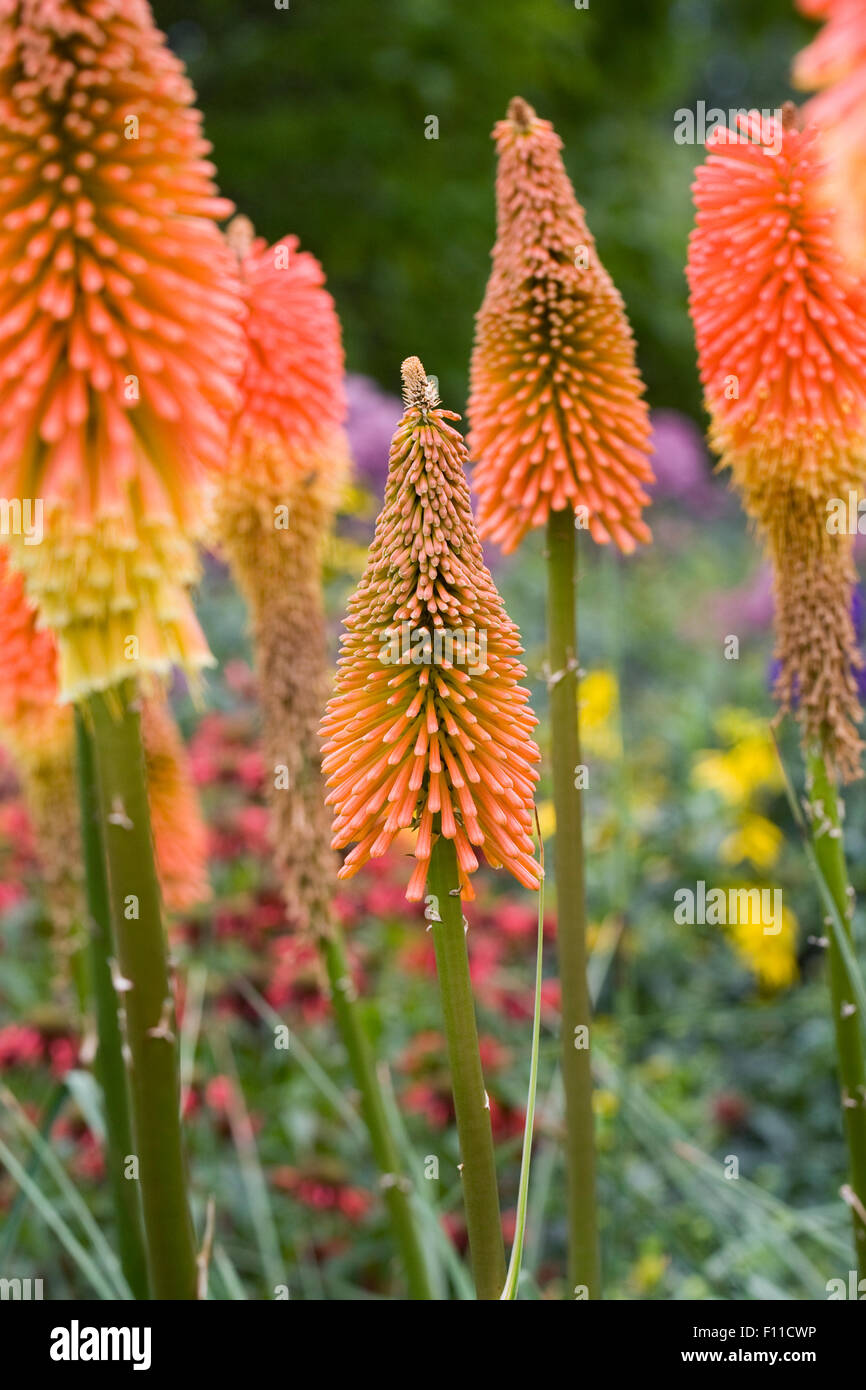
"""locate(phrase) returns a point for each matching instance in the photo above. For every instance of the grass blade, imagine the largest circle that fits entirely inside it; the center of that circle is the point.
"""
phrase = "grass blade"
(69, 1191)
(55, 1222)
(513, 1276)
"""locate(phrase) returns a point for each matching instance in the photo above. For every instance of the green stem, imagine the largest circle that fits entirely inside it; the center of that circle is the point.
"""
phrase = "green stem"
(830, 853)
(583, 1252)
(395, 1186)
(108, 1064)
(139, 938)
(480, 1193)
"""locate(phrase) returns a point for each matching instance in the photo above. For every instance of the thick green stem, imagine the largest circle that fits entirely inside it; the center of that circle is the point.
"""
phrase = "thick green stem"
(830, 853)
(583, 1253)
(395, 1186)
(480, 1193)
(139, 938)
(108, 1064)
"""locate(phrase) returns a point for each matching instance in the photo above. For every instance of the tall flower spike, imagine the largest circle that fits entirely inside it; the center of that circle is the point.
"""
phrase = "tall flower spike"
(781, 336)
(119, 329)
(274, 509)
(40, 736)
(556, 414)
(834, 64)
(442, 743)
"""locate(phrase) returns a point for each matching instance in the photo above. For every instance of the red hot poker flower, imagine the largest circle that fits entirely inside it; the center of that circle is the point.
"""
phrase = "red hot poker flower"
(779, 321)
(273, 514)
(429, 727)
(781, 334)
(292, 404)
(556, 410)
(119, 328)
(835, 63)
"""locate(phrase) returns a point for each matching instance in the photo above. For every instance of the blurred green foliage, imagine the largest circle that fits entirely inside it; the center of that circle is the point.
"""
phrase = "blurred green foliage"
(317, 115)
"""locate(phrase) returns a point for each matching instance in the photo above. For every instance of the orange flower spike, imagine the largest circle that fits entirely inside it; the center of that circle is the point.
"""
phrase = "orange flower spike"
(838, 49)
(408, 747)
(835, 64)
(557, 418)
(40, 735)
(273, 515)
(120, 329)
(292, 389)
(31, 721)
(778, 319)
(781, 335)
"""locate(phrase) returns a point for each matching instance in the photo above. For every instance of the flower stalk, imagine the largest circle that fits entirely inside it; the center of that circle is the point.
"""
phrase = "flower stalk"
(440, 748)
(791, 447)
(471, 1105)
(109, 1064)
(584, 1272)
(560, 434)
(143, 979)
(829, 846)
(396, 1188)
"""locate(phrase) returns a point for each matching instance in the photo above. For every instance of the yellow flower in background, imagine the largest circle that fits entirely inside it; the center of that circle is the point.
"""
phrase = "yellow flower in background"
(659, 1066)
(605, 1104)
(648, 1270)
(771, 956)
(546, 819)
(713, 771)
(748, 765)
(737, 773)
(598, 701)
(756, 839)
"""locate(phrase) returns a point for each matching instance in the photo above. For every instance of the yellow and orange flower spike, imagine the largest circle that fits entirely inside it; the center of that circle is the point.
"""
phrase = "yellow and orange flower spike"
(180, 839)
(556, 410)
(40, 735)
(834, 65)
(781, 335)
(442, 744)
(120, 329)
(273, 512)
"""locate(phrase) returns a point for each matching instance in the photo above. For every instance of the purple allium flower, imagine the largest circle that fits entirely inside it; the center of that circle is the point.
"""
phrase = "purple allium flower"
(751, 606)
(681, 466)
(374, 415)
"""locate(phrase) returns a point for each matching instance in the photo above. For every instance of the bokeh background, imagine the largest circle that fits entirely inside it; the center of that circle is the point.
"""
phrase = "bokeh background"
(717, 1110)
(317, 115)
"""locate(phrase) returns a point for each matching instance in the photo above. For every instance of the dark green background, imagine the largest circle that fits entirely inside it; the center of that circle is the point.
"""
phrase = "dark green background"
(317, 117)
